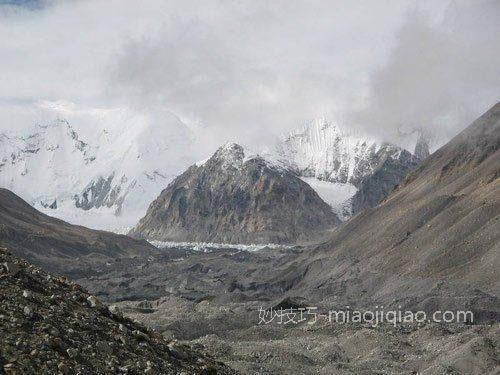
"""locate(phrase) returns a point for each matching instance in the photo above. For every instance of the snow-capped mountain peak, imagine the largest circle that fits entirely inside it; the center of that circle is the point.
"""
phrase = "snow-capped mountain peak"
(230, 155)
(104, 180)
(39, 165)
(323, 151)
(337, 163)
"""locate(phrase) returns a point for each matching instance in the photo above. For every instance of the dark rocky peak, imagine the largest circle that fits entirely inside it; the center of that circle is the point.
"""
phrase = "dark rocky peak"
(236, 197)
(230, 152)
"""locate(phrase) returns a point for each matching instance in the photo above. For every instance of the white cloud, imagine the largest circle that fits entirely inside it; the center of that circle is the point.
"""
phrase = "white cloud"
(250, 70)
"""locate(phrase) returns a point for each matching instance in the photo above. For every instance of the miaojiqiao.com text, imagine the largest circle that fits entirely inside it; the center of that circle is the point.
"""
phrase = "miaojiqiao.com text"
(311, 315)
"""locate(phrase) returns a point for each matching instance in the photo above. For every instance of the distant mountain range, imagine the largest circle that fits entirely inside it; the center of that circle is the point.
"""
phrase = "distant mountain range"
(107, 178)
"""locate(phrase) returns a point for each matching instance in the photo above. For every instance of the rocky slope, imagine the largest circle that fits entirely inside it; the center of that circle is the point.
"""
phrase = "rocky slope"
(50, 325)
(433, 243)
(325, 152)
(55, 244)
(238, 198)
(213, 298)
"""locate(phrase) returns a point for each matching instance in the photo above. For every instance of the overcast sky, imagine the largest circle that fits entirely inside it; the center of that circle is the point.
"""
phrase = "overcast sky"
(250, 71)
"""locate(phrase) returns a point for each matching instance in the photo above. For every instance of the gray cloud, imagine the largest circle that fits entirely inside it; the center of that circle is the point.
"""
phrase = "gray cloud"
(438, 77)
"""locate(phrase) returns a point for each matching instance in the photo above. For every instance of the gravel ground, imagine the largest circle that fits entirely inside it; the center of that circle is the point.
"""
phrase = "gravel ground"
(232, 333)
(50, 325)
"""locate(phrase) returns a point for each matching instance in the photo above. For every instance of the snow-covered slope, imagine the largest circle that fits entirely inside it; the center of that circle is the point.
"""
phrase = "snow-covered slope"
(45, 164)
(323, 151)
(336, 194)
(106, 180)
(337, 163)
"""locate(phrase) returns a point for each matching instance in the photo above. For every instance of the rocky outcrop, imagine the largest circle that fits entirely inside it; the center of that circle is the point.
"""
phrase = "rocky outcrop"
(103, 192)
(421, 148)
(238, 198)
(53, 326)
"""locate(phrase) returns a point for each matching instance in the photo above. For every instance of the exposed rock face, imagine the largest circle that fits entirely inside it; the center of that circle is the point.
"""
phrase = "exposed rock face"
(326, 153)
(55, 244)
(238, 198)
(102, 193)
(50, 325)
(393, 166)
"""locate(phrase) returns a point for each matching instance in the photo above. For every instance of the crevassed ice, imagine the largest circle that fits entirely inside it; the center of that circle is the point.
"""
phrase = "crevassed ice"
(207, 246)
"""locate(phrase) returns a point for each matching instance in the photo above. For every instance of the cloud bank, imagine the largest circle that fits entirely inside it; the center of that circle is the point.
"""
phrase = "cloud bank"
(251, 71)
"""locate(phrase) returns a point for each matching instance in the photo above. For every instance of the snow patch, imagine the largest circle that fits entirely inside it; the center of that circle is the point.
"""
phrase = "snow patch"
(201, 163)
(337, 195)
(236, 156)
(103, 218)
